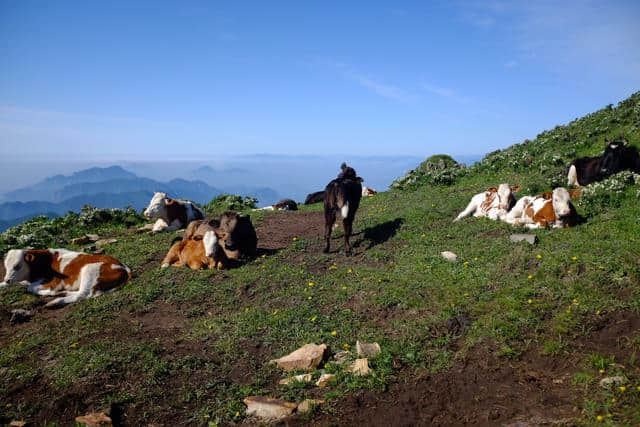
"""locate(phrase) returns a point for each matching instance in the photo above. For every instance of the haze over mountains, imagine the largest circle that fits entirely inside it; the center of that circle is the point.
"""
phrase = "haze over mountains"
(269, 178)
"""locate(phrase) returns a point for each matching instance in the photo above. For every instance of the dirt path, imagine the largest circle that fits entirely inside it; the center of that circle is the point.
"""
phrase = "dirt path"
(278, 230)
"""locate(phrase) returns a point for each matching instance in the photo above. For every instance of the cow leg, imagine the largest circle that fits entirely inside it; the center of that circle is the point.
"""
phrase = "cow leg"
(347, 224)
(39, 289)
(329, 220)
(159, 225)
(471, 207)
(173, 256)
(89, 276)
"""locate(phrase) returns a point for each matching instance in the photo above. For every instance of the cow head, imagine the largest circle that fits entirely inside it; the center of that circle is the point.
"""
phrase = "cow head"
(505, 196)
(613, 157)
(157, 206)
(210, 241)
(561, 202)
(17, 266)
(347, 172)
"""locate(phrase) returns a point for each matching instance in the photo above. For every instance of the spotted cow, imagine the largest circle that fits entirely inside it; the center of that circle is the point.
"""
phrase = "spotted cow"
(552, 209)
(69, 276)
(171, 214)
(494, 203)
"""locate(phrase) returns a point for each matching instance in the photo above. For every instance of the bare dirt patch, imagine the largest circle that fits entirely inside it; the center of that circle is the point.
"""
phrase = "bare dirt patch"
(481, 390)
(278, 230)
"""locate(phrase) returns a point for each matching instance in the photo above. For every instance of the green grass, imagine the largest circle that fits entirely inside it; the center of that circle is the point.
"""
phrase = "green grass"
(213, 332)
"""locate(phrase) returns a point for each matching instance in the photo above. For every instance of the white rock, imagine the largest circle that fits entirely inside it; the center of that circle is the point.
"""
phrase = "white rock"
(324, 380)
(360, 367)
(449, 256)
(268, 409)
(307, 404)
(307, 358)
(304, 378)
(367, 349)
(612, 381)
(95, 419)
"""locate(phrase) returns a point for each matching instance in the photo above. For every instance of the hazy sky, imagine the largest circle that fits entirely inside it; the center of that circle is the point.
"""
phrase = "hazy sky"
(109, 80)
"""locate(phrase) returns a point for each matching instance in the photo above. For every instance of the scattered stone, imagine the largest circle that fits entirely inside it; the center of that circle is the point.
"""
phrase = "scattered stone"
(341, 357)
(104, 242)
(95, 419)
(306, 358)
(324, 380)
(20, 316)
(80, 240)
(449, 256)
(532, 239)
(17, 423)
(609, 381)
(360, 367)
(308, 404)
(93, 237)
(367, 349)
(305, 378)
(269, 409)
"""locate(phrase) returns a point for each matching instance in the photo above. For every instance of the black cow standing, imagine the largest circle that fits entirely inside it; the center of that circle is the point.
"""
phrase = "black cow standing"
(617, 157)
(342, 195)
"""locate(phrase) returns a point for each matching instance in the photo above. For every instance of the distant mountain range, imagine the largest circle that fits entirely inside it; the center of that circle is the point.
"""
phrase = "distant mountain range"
(112, 187)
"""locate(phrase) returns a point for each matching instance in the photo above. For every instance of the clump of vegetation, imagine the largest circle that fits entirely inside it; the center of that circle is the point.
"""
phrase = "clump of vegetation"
(41, 232)
(440, 169)
(230, 202)
(608, 193)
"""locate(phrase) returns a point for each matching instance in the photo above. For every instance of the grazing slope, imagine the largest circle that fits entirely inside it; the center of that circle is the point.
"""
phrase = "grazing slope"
(509, 333)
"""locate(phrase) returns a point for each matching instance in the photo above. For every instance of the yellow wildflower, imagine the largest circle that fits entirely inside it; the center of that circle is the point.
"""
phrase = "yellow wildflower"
(334, 333)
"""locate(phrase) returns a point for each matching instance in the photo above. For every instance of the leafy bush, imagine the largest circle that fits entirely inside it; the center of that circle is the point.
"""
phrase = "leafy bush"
(440, 169)
(41, 232)
(229, 202)
(608, 193)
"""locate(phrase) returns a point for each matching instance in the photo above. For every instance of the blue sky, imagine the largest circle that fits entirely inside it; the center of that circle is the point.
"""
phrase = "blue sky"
(198, 79)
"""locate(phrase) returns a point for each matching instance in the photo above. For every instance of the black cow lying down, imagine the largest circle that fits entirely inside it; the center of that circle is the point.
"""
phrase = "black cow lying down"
(617, 156)
(342, 196)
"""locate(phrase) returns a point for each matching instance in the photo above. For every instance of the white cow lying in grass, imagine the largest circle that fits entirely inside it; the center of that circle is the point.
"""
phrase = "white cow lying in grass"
(553, 209)
(171, 214)
(58, 272)
(494, 203)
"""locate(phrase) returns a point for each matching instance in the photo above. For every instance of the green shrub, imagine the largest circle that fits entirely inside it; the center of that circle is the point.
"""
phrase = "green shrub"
(41, 232)
(439, 169)
(607, 193)
(229, 202)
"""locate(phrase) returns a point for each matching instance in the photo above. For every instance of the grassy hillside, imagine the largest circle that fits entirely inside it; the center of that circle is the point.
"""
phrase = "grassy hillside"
(511, 332)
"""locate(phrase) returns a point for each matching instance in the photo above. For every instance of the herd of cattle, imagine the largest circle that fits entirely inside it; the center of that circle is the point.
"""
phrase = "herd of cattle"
(231, 238)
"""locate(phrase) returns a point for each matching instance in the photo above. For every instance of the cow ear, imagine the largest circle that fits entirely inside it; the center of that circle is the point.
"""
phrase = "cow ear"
(29, 257)
(492, 189)
(547, 195)
(515, 188)
(170, 201)
(575, 193)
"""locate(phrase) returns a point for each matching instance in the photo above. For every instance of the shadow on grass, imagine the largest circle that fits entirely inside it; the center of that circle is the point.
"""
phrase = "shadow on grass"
(381, 233)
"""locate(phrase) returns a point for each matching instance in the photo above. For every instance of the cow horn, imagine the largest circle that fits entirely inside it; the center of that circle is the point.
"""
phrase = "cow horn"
(29, 257)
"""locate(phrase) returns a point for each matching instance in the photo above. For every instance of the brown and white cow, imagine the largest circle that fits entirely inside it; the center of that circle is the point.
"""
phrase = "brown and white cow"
(368, 192)
(494, 203)
(552, 209)
(56, 272)
(235, 234)
(197, 254)
(171, 214)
